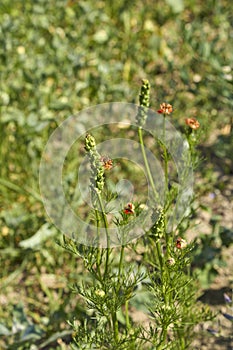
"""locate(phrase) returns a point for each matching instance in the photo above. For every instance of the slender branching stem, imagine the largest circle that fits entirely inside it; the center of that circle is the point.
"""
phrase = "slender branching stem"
(146, 163)
(127, 322)
(115, 327)
(121, 261)
(98, 258)
(165, 155)
(107, 233)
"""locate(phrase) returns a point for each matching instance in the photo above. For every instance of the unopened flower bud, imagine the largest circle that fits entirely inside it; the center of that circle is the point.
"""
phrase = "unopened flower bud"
(129, 208)
(192, 123)
(165, 108)
(171, 261)
(100, 293)
(181, 243)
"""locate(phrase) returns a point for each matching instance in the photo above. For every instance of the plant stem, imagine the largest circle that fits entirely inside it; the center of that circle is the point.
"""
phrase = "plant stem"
(165, 155)
(166, 199)
(127, 302)
(146, 163)
(159, 252)
(164, 338)
(127, 315)
(107, 234)
(115, 327)
(121, 261)
(98, 258)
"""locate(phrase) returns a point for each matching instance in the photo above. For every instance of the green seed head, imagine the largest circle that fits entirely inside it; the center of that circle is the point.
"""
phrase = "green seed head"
(97, 170)
(158, 227)
(89, 142)
(144, 102)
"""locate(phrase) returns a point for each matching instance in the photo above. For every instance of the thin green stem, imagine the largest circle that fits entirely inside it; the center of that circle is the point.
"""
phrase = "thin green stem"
(121, 261)
(119, 275)
(165, 155)
(115, 327)
(103, 213)
(146, 163)
(127, 323)
(159, 252)
(163, 270)
(98, 258)
(107, 233)
(164, 337)
(166, 297)
(166, 200)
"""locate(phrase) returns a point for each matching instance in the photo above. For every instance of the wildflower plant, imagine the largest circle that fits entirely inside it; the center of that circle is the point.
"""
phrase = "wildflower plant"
(137, 253)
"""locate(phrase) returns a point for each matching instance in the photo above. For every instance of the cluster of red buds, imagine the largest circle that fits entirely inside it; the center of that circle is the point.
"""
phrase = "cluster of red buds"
(165, 108)
(192, 123)
(181, 243)
(129, 208)
(107, 162)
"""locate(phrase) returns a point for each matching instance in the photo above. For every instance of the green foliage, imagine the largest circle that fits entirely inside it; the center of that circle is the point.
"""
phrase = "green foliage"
(164, 273)
(58, 57)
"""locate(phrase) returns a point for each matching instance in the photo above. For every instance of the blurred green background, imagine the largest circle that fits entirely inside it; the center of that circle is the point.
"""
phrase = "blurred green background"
(58, 57)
